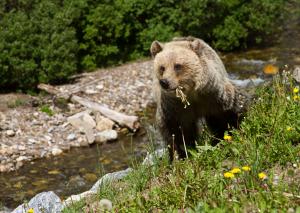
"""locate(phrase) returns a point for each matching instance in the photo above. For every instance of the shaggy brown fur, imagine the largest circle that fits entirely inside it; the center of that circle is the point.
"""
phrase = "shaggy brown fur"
(192, 65)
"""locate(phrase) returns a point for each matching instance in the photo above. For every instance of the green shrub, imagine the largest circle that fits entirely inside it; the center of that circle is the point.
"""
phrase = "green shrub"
(37, 47)
(49, 40)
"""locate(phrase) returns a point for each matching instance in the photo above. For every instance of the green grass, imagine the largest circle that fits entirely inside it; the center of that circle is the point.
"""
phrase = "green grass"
(46, 109)
(268, 141)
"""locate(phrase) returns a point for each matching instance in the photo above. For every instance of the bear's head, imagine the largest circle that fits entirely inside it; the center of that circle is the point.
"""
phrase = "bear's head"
(178, 64)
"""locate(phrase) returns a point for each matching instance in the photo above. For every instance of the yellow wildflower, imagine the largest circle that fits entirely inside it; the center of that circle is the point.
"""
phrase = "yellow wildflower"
(296, 97)
(227, 138)
(228, 175)
(289, 128)
(235, 170)
(296, 90)
(262, 175)
(246, 168)
(30, 210)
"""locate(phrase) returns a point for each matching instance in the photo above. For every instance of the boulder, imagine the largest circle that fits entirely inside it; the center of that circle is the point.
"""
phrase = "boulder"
(45, 202)
(110, 177)
(82, 121)
(85, 123)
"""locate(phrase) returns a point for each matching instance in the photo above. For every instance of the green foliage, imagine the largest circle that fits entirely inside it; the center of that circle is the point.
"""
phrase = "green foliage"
(49, 40)
(46, 109)
(39, 46)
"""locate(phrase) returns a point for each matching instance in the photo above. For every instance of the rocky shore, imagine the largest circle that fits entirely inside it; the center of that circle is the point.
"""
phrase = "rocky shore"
(33, 127)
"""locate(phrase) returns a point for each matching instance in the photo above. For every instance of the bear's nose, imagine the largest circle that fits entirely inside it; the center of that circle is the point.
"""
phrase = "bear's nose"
(164, 83)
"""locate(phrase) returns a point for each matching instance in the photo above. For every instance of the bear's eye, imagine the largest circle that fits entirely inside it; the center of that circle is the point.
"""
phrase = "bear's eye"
(177, 67)
(161, 69)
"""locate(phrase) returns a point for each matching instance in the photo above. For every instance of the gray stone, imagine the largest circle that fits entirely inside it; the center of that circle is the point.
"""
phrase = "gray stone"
(45, 202)
(296, 73)
(82, 120)
(85, 123)
(107, 135)
(110, 177)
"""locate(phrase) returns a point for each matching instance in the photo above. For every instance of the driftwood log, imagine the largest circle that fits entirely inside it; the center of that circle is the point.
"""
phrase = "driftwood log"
(131, 122)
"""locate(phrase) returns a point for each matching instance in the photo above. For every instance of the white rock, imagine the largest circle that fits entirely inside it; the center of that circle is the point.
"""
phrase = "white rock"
(56, 151)
(21, 158)
(100, 87)
(91, 91)
(71, 137)
(107, 135)
(10, 133)
(75, 198)
(21, 148)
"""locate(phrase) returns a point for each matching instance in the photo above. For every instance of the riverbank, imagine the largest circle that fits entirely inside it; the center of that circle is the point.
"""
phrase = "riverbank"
(34, 127)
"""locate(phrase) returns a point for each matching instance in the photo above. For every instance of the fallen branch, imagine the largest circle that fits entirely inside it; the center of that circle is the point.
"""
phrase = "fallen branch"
(132, 122)
(53, 91)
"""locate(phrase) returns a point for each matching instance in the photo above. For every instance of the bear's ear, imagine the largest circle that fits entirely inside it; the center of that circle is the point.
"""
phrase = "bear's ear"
(196, 46)
(156, 47)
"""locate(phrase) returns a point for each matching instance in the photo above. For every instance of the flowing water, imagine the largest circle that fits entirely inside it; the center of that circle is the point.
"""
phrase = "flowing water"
(77, 170)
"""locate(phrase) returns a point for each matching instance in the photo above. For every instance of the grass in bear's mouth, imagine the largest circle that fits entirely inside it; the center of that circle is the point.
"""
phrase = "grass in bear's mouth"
(180, 94)
(258, 170)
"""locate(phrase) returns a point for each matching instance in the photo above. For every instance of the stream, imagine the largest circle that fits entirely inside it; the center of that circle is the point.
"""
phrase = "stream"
(77, 170)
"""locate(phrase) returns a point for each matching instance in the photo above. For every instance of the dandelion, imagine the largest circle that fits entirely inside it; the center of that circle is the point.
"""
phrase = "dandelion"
(30, 210)
(246, 168)
(227, 138)
(289, 128)
(296, 90)
(235, 170)
(296, 97)
(228, 175)
(262, 175)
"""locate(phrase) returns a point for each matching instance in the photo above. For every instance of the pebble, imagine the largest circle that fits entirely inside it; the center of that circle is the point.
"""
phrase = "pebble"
(56, 151)
(10, 133)
(71, 137)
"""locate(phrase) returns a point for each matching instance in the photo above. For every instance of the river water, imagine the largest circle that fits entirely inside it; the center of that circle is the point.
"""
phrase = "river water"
(77, 170)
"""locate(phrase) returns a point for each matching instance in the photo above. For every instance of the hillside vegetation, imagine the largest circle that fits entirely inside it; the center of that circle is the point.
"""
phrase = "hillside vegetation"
(253, 169)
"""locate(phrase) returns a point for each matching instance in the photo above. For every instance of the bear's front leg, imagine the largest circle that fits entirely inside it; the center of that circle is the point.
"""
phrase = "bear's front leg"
(179, 133)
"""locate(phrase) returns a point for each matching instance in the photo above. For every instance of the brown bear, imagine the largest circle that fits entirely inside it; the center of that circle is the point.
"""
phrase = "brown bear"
(191, 84)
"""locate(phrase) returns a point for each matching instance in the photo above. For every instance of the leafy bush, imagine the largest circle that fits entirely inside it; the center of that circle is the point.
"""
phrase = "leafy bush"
(37, 47)
(48, 40)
